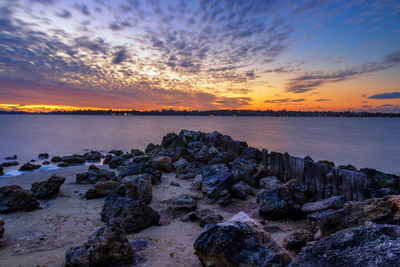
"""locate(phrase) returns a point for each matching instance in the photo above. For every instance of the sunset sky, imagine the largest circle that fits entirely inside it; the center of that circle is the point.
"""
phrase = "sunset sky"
(131, 54)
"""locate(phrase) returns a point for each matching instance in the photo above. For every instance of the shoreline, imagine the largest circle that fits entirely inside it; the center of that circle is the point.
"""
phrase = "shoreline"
(285, 199)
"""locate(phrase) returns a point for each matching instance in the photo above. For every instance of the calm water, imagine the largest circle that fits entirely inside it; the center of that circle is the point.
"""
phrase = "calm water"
(363, 142)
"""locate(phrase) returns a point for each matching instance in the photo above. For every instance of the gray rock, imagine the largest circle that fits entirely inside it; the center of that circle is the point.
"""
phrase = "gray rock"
(181, 204)
(270, 182)
(197, 182)
(56, 159)
(47, 188)
(15, 198)
(162, 163)
(74, 159)
(239, 241)
(29, 167)
(298, 239)
(204, 216)
(10, 163)
(134, 215)
(371, 245)
(216, 179)
(95, 175)
(139, 187)
(103, 189)
(335, 202)
(43, 156)
(241, 190)
(1, 228)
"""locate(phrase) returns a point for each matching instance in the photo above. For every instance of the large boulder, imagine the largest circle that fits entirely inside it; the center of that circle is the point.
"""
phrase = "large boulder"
(139, 187)
(240, 241)
(29, 167)
(93, 156)
(43, 156)
(162, 163)
(222, 158)
(115, 162)
(187, 170)
(10, 163)
(245, 170)
(357, 213)
(103, 189)
(95, 175)
(47, 188)
(14, 198)
(298, 239)
(140, 168)
(108, 246)
(56, 159)
(283, 202)
(335, 202)
(134, 215)
(270, 182)
(370, 245)
(217, 179)
(241, 190)
(380, 184)
(181, 204)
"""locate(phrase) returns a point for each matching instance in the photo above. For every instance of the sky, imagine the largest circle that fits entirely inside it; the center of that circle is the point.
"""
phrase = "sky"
(200, 55)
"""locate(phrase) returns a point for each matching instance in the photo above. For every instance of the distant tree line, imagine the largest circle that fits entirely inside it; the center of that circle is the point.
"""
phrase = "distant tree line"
(226, 112)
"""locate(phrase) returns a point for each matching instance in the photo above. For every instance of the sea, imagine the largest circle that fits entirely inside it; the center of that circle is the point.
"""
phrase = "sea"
(362, 142)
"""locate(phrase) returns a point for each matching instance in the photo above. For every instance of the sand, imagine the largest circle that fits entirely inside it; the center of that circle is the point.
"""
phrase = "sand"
(41, 237)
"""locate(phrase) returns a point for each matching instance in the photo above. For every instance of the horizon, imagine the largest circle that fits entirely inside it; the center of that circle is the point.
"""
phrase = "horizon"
(200, 55)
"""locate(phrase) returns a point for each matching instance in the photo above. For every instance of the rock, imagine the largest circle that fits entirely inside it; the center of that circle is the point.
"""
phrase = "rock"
(283, 202)
(116, 152)
(115, 162)
(43, 156)
(297, 239)
(371, 245)
(56, 159)
(271, 228)
(169, 139)
(204, 216)
(270, 182)
(162, 163)
(197, 182)
(239, 241)
(335, 202)
(11, 157)
(251, 153)
(244, 170)
(46, 162)
(378, 180)
(74, 159)
(29, 167)
(216, 179)
(103, 189)
(174, 184)
(139, 168)
(241, 190)
(134, 215)
(14, 198)
(222, 158)
(107, 159)
(63, 164)
(93, 156)
(137, 152)
(95, 175)
(47, 188)
(357, 213)
(151, 149)
(187, 170)
(1, 170)
(33, 160)
(10, 163)
(1, 228)
(139, 187)
(108, 246)
(181, 204)
(348, 167)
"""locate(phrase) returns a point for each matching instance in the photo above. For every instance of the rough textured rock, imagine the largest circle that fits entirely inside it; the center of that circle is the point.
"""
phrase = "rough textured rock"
(46, 162)
(139, 187)
(29, 167)
(371, 245)
(140, 168)
(335, 202)
(1, 170)
(181, 204)
(108, 246)
(204, 216)
(14, 157)
(10, 163)
(283, 202)
(270, 182)
(103, 189)
(251, 153)
(241, 190)
(356, 213)
(63, 164)
(162, 163)
(239, 241)
(222, 158)
(378, 180)
(115, 162)
(74, 159)
(298, 239)
(116, 152)
(47, 188)
(56, 159)
(245, 170)
(14, 198)
(1, 228)
(95, 175)
(186, 170)
(134, 215)
(197, 182)
(93, 156)
(216, 180)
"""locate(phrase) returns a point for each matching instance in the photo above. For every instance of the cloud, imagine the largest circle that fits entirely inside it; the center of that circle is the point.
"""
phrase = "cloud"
(310, 81)
(391, 95)
(84, 9)
(119, 57)
(64, 14)
(323, 99)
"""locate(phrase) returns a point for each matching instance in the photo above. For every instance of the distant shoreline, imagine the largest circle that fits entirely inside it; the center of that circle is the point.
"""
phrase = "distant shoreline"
(212, 113)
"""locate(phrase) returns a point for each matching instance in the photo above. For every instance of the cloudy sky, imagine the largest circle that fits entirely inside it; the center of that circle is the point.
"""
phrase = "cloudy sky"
(213, 54)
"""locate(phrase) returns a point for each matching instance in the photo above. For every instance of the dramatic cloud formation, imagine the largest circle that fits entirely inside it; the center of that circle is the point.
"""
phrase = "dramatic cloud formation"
(205, 54)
